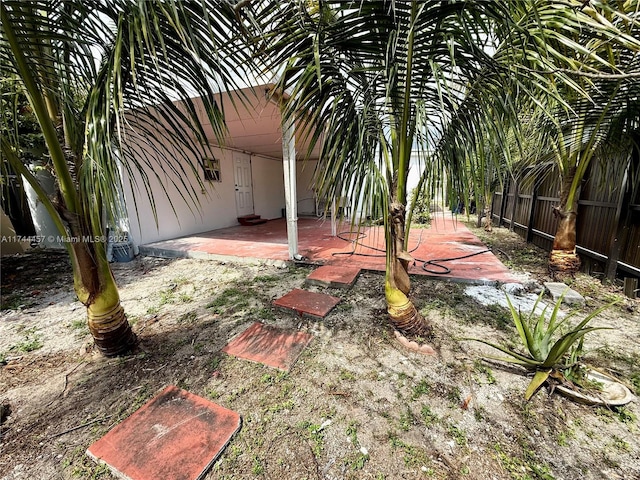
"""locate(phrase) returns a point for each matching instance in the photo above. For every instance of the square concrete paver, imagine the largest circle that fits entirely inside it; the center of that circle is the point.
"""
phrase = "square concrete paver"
(269, 345)
(316, 305)
(334, 276)
(175, 435)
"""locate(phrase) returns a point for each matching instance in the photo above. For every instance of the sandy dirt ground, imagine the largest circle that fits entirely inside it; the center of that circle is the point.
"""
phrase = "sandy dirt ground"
(356, 405)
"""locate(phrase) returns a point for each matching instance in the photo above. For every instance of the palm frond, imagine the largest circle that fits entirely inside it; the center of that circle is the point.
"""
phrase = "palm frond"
(112, 72)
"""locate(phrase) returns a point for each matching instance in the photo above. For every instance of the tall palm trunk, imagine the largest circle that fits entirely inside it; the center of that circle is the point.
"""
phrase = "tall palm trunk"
(486, 212)
(563, 260)
(93, 281)
(486, 220)
(403, 314)
(97, 290)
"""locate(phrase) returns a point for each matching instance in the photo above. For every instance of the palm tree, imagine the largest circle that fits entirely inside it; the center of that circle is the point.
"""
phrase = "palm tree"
(597, 129)
(370, 81)
(578, 119)
(94, 72)
(571, 90)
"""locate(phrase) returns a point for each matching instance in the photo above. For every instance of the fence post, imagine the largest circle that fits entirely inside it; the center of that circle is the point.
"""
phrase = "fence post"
(618, 236)
(532, 210)
(503, 202)
(516, 193)
(631, 287)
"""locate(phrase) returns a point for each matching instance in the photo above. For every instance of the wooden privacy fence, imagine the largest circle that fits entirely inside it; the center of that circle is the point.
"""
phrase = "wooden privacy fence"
(608, 222)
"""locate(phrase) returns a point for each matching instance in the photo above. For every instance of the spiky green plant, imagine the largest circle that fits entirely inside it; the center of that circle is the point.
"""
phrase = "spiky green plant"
(547, 344)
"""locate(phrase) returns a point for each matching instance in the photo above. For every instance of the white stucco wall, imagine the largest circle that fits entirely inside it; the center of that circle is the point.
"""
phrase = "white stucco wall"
(211, 212)
(217, 207)
(306, 198)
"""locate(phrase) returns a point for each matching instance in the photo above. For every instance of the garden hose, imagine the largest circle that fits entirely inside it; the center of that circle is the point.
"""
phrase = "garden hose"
(436, 262)
(445, 270)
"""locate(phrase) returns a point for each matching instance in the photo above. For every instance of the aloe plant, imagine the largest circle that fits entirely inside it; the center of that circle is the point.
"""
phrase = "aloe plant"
(548, 344)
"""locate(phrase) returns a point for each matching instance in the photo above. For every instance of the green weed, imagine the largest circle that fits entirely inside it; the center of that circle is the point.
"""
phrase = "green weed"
(83, 467)
(635, 381)
(352, 433)
(620, 444)
(266, 279)
(458, 434)
(479, 412)
(413, 456)
(265, 313)
(480, 367)
(257, 468)
(527, 468)
(166, 296)
(211, 393)
(32, 341)
(79, 324)
(185, 298)
(315, 434)
(454, 395)
(232, 298)
(422, 388)
(16, 302)
(428, 416)
(625, 415)
(406, 420)
(279, 407)
(188, 317)
(347, 375)
(357, 462)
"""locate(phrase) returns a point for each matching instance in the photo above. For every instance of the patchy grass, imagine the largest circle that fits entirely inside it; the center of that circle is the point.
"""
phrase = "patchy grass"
(16, 301)
(33, 340)
(355, 405)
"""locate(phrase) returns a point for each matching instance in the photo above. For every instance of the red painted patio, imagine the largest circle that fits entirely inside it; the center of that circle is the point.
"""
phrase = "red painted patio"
(364, 248)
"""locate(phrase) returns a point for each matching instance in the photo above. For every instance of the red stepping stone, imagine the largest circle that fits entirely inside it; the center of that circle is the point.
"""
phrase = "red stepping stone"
(334, 276)
(175, 435)
(269, 345)
(316, 305)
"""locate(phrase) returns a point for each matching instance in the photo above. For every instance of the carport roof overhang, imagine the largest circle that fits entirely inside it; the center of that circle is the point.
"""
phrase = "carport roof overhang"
(254, 124)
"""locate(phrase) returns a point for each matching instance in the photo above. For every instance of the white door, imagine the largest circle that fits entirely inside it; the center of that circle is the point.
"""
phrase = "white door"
(242, 178)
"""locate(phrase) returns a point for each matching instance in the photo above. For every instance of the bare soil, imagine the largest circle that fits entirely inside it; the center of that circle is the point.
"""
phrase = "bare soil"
(356, 405)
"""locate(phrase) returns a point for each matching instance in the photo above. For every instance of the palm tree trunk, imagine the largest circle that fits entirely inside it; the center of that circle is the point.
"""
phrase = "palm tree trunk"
(97, 290)
(109, 327)
(488, 223)
(402, 312)
(564, 261)
(93, 281)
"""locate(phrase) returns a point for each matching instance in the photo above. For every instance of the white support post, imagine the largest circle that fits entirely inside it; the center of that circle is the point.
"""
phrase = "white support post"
(334, 220)
(290, 193)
